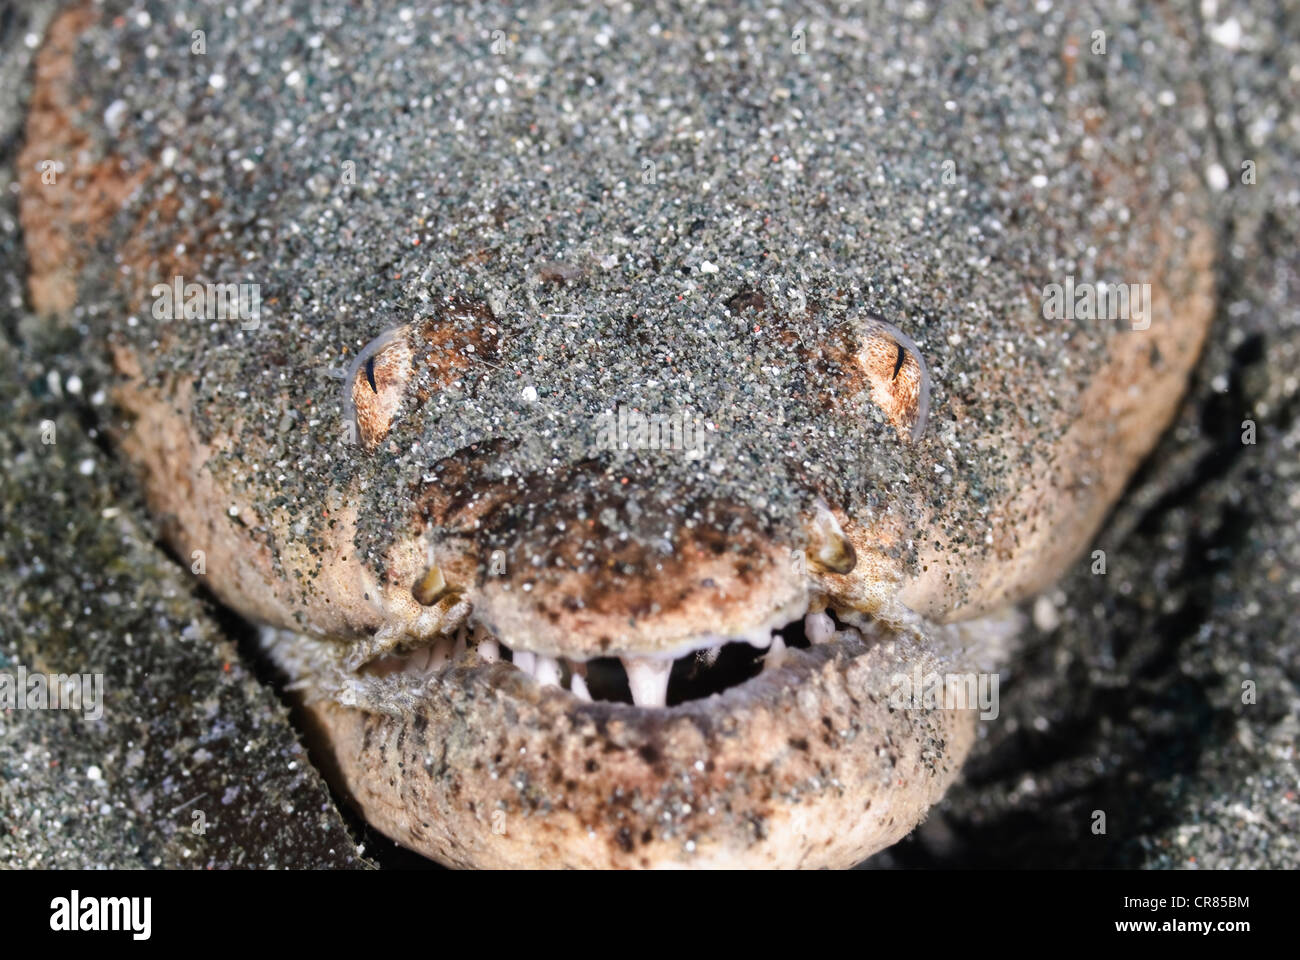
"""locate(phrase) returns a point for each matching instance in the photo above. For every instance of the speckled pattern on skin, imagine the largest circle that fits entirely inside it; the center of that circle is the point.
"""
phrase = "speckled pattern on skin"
(937, 254)
(470, 184)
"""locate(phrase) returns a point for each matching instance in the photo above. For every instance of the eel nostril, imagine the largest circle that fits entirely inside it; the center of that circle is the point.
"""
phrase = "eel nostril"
(830, 549)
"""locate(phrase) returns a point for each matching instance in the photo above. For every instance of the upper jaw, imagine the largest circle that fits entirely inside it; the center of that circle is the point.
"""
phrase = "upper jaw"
(563, 616)
(581, 585)
(639, 596)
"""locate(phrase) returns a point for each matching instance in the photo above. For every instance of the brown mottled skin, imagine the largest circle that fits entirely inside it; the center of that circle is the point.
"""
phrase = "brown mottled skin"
(777, 775)
(805, 765)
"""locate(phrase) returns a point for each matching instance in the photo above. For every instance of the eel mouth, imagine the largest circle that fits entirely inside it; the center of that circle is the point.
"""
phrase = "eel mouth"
(712, 664)
(789, 754)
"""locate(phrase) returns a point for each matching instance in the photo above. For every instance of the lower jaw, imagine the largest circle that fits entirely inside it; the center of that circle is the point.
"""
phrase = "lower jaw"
(806, 764)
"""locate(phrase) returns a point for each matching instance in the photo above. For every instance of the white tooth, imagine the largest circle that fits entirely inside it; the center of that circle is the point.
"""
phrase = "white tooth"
(648, 679)
(759, 638)
(818, 627)
(547, 670)
(578, 687)
(775, 654)
(488, 651)
(525, 661)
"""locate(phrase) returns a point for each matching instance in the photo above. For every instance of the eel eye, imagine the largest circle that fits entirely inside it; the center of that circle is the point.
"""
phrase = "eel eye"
(375, 383)
(897, 377)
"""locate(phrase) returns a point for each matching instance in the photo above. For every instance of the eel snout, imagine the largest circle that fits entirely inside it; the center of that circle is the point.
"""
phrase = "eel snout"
(608, 694)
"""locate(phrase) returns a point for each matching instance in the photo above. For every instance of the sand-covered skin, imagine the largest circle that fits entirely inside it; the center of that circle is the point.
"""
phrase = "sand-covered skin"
(816, 178)
(956, 259)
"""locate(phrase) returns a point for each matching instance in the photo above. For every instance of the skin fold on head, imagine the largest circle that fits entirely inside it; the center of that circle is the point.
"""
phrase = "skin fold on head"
(595, 509)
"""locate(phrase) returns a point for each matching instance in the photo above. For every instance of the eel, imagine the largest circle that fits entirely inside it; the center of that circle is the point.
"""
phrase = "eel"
(619, 404)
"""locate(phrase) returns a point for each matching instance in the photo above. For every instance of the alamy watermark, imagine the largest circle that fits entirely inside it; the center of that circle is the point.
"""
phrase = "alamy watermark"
(52, 691)
(952, 691)
(630, 429)
(75, 913)
(179, 300)
(1098, 301)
